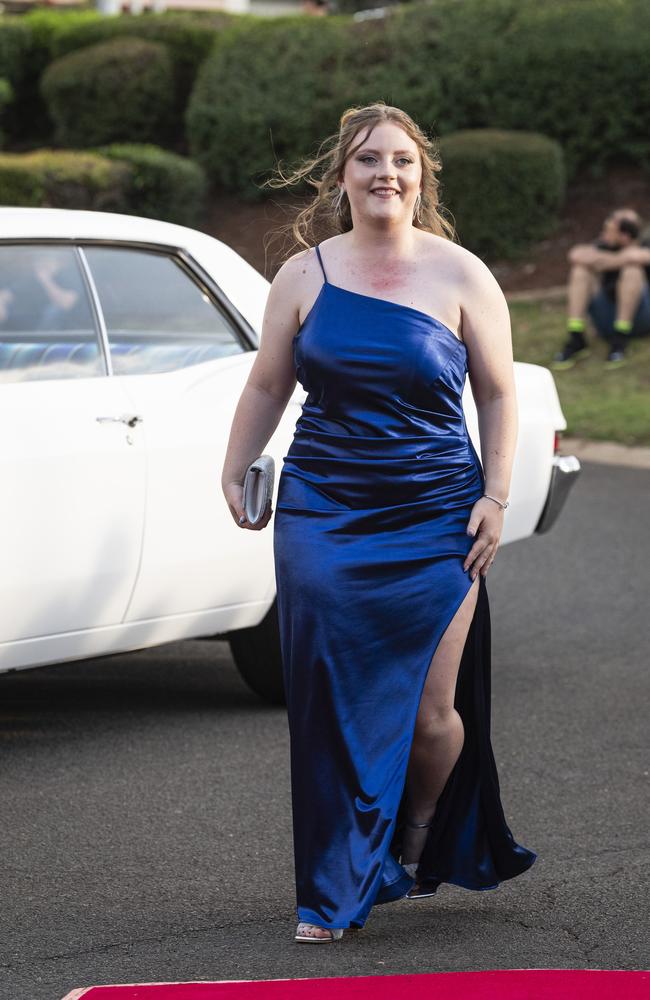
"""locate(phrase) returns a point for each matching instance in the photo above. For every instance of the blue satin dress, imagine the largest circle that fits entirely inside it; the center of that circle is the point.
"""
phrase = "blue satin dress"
(374, 497)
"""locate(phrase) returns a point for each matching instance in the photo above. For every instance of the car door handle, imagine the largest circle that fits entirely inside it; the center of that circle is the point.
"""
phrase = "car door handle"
(127, 418)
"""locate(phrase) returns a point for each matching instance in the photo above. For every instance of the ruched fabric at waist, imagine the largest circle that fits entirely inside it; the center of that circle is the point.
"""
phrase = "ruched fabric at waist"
(329, 470)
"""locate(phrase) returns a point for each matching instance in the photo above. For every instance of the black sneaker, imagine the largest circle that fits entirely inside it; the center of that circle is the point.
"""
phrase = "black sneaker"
(616, 356)
(574, 349)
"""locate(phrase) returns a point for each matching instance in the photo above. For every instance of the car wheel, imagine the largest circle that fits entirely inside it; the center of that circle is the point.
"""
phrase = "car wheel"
(256, 652)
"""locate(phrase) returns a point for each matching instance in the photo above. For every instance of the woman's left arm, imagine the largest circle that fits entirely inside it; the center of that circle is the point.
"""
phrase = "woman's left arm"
(488, 339)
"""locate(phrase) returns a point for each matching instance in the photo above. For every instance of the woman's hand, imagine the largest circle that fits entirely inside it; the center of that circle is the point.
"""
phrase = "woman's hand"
(234, 494)
(486, 523)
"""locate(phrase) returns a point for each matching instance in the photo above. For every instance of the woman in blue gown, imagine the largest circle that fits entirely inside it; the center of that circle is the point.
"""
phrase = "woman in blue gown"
(386, 523)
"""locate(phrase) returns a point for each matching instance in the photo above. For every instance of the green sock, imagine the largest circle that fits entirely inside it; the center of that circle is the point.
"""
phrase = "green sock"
(575, 324)
(622, 325)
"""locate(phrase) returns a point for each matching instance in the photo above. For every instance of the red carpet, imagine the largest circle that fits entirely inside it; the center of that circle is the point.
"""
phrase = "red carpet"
(510, 984)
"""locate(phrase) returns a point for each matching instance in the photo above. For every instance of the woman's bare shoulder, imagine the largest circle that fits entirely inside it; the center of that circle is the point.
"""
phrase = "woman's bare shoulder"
(291, 284)
(298, 271)
(467, 262)
(477, 286)
(299, 262)
(474, 269)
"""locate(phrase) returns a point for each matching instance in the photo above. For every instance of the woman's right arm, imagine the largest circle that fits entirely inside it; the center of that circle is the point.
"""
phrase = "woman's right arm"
(270, 384)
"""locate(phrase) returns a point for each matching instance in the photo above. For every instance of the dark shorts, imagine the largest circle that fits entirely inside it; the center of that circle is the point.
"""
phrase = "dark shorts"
(602, 310)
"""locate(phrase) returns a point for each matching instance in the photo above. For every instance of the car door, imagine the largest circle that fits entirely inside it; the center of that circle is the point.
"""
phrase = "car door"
(185, 361)
(72, 498)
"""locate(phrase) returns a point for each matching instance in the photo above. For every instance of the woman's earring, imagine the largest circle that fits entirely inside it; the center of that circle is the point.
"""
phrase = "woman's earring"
(416, 210)
(338, 199)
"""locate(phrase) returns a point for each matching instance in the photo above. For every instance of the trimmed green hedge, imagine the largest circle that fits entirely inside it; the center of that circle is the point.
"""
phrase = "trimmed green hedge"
(132, 179)
(56, 179)
(188, 40)
(15, 51)
(504, 189)
(30, 42)
(117, 90)
(575, 71)
(26, 48)
(6, 94)
(298, 78)
(15, 47)
(161, 182)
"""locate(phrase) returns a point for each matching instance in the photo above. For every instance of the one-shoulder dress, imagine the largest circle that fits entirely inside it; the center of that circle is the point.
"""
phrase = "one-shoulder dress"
(369, 538)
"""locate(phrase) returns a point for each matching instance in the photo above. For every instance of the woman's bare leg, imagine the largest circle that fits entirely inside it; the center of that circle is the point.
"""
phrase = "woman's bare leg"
(439, 734)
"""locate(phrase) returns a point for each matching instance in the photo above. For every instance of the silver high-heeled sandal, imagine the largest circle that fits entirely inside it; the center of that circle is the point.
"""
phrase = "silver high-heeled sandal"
(335, 933)
(416, 891)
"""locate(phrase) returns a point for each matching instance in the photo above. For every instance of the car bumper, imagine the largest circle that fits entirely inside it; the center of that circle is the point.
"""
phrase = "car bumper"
(566, 469)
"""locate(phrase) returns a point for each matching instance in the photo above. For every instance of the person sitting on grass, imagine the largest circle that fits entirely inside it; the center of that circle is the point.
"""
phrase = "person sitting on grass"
(609, 281)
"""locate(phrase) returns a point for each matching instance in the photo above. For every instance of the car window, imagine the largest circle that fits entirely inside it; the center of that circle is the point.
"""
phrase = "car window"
(157, 317)
(47, 329)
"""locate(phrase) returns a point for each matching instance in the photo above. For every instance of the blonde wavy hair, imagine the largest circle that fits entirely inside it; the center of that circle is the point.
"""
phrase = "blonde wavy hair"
(321, 215)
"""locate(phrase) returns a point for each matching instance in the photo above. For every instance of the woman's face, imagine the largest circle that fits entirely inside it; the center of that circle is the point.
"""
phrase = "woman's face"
(389, 159)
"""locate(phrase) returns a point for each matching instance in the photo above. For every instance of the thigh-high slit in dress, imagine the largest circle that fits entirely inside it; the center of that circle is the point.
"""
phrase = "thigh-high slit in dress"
(373, 501)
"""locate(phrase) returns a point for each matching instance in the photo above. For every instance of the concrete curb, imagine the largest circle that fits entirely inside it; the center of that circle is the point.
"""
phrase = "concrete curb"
(606, 452)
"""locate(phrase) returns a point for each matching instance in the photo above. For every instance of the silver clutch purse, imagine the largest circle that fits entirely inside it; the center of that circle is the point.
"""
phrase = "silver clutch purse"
(258, 487)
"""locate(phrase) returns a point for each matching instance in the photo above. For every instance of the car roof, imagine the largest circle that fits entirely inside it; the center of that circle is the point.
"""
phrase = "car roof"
(17, 222)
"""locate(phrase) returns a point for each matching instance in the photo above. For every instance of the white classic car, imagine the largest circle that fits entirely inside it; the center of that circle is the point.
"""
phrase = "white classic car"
(124, 346)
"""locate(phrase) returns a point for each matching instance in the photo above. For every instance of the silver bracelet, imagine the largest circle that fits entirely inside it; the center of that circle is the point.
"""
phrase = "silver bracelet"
(501, 505)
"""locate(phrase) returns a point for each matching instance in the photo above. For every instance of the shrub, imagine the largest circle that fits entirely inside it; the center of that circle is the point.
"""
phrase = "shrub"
(504, 189)
(135, 180)
(6, 94)
(162, 185)
(55, 179)
(188, 40)
(25, 51)
(55, 33)
(15, 43)
(575, 71)
(113, 91)
(271, 90)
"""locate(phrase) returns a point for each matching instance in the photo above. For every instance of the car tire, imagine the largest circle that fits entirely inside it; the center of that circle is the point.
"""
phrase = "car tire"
(257, 656)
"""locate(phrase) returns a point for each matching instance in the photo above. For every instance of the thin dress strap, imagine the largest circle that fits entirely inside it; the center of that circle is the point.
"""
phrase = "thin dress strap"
(320, 261)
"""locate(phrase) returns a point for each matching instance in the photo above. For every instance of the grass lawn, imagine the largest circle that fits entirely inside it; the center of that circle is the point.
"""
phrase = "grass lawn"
(598, 404)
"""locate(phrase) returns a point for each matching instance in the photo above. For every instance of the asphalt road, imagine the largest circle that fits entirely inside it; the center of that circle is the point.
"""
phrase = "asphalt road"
(146, 806)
